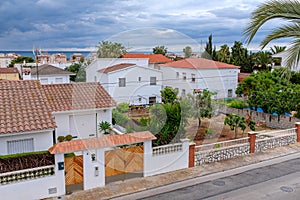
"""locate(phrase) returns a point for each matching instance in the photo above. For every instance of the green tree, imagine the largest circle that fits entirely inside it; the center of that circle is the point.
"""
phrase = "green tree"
(262, 60)
(187, 52)
(160, 50)
(235, 122)
(169, 95)
(108, 49)
(288, 10)
(201, 106)
(79, 70)
(21, 59)
(277, 49)
(104, 126)
(210, 51)
(223, 55)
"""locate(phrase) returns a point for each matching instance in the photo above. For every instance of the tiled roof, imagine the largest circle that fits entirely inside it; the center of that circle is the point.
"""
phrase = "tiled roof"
(153, 58)
(115, 67)
(200, 63)
(23, 107)
(107, 141)
(50, 70)
(77, 96)
(8, 70)
(241, 76)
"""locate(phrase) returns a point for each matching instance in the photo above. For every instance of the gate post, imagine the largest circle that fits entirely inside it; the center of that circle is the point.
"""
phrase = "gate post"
(252, 139)
(192, 154)
(297, 125)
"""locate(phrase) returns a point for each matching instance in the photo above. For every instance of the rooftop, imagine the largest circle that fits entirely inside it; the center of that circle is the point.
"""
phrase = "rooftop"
(153, 58)
(77, 96)
(199, 63)
(50, 70)
(23, 107)
(107, 141)
(8, 70)
(115, 67)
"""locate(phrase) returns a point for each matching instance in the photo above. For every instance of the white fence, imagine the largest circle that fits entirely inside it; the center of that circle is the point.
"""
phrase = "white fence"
(166, 158)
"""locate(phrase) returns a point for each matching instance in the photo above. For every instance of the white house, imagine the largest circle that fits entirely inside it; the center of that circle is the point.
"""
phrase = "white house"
(198, 73)
(47, 74)
(132, 83)
(78, 108)
(283, 56)
(26, 122)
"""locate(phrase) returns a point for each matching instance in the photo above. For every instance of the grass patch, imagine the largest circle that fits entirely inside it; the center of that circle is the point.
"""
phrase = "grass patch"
(22, 154)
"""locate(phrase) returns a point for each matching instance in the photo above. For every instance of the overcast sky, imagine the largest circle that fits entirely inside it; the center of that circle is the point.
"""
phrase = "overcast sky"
(137, 24)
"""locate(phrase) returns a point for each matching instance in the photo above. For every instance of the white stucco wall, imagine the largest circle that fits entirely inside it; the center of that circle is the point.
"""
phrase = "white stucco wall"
(166, 162)
(83, 124)
(42, 140)
(135, 92)
(51, 79)
(101, 63)
(216, 80)
(36, 188)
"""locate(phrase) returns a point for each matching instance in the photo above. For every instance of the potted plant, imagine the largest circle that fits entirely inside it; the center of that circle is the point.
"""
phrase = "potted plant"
(104, 126)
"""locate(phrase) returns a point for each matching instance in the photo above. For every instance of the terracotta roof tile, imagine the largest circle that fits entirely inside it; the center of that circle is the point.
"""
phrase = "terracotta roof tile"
(77, 96)
(200, 63)
(115, 67)
(153, 58)
(23, 107)
(107, 141)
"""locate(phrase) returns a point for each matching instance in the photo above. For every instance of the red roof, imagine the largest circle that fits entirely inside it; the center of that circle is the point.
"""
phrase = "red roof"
(241, 76)
(24, 107)
(200, 63)
(153, 58)
(115, 67)
(77, 96)
(107, 141)
(8, 70)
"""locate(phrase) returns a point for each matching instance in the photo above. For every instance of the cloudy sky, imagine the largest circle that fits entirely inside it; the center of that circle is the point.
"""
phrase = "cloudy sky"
(137, 24)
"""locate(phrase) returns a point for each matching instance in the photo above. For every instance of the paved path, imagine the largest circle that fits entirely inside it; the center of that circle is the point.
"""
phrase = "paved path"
(206, 172)
(275, 181)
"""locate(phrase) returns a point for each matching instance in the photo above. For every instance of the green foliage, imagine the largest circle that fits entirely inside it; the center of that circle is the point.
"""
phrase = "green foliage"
(201, 105)
(79, 70)
(144, 121)
(129, 129)
(64, 138)
(119, 118)
(123, 107)
(108, 49)
(169, 95)
(251, 125)
(61, 138)
(22, 154)
(235, 122)
(187, 52)
(21, 59)
(239, 104)
(68, 137)
(160, 50)
(104, 126)
(68, 155)
(209, 131)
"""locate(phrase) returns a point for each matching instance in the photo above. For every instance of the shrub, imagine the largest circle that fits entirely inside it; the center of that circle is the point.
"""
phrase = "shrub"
(144, 121)
(104, 126)
(123, 107)
(119, 118)
(61, 138)
(237, 104)
(68, 137)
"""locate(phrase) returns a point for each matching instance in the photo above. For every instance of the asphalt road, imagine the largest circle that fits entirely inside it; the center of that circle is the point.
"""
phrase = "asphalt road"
(271, 182)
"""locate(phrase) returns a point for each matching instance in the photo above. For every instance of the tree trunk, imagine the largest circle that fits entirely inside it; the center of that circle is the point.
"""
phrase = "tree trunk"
(235, 132)
(200, 134)
(199, 122)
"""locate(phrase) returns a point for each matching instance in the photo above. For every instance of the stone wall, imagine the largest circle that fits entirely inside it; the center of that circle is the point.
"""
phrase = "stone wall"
(215, 155)
(271, 121)
(274, 142)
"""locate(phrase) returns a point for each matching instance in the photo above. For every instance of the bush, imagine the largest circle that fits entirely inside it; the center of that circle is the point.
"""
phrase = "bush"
(119, 118)
(68, 137)
(123, 107)
(237, 104)
(144, 121)
(61, 138)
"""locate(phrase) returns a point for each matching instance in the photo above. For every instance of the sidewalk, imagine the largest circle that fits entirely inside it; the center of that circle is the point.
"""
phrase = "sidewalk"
(117, 189)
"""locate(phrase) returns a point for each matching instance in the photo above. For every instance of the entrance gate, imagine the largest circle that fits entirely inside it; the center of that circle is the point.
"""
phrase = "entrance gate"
(124, 160)
(74, 170)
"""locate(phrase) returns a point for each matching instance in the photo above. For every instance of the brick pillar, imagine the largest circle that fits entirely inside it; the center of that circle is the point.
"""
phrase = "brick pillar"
(297, 125)
(252, 138)
(192, 154)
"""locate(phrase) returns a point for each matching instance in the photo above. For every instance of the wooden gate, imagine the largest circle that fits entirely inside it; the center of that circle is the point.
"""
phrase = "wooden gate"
(125, 160)
(73, 170)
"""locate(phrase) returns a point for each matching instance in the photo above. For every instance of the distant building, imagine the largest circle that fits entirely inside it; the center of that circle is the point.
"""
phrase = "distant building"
(47, 74)
(5, 59)
(76, 57)
(44, 58)
(10, 73)
(58, 58)
(281, 61)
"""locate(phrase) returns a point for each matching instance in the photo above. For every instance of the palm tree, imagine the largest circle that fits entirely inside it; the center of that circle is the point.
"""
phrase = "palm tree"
(277, 49)
(288, 10)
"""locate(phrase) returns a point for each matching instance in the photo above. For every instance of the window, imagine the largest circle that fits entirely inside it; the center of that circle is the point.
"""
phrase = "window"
(177, 74)
(230, 93)
(20, 146)
(140, 79)
(44, 81)
(58, 80)
(193, 77)
(140, 99)
(152, 100)
(152, 80)
(122, 82)
(183, 93)
(184, 76)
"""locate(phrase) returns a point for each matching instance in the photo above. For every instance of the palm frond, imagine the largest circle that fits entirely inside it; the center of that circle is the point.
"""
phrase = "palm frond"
(293, 54)
(288, 10)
